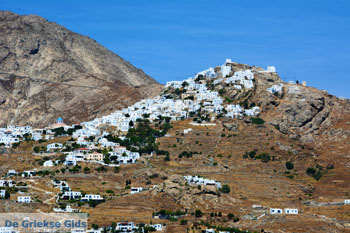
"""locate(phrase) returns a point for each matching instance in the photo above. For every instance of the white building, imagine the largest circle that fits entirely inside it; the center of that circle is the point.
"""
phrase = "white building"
(6, 183)
(125, 226)
(12, 173)
(28, 173)
(209, 231)
(271, 69)
(68, 209)
(24, 199)
(134, 190)
(158, 227)
(54, 146)
(71, 195)
(196, 180)
(2, 193)
(48, 163)
(291, 211)
(275, 88)
(276, 211)
(92, 197)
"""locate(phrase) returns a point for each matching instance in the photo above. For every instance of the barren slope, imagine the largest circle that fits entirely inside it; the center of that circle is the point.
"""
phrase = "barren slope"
(48, 71)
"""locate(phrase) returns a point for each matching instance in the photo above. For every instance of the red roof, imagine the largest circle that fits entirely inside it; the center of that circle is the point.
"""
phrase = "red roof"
(82, 149)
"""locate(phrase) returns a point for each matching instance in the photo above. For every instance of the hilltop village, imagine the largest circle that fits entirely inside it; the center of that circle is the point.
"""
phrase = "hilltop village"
(125, 136)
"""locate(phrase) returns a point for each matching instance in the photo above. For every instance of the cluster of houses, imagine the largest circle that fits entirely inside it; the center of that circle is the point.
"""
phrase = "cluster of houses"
(196, 97)
(12, 134)
(210, 101)
(68, 194)
(196, 180)
(131, 227)
(285, 211)
(119, 154)
(276, 210)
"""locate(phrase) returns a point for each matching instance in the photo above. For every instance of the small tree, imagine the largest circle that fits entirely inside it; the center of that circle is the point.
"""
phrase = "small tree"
(7, 194)
(225, 189)
(36, 149)
(198, 213)
(95, 226)
(167, 158)
(289, 165)
(86, 170)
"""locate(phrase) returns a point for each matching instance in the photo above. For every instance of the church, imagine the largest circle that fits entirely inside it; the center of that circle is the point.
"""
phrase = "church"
(59, 123)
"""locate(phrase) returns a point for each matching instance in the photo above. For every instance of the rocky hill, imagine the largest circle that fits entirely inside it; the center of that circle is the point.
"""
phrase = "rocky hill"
(47, 71)
(298, 111)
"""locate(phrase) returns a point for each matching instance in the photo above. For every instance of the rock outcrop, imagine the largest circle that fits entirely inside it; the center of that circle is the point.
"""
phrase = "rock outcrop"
(188, 195)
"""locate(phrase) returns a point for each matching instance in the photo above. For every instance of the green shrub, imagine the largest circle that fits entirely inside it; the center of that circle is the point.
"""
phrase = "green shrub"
(36, 149)
(257, 120)
(252, 154)
(167, 158)
(198, 213)
(289, 165)
(265, 157)
(225, 189)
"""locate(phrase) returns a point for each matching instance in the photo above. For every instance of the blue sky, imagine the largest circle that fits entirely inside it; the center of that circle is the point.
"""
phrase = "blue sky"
(170, 40)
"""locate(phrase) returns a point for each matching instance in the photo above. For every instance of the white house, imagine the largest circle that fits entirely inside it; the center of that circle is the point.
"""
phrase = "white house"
(291, 211)
(36, 136)
(125, 226)
(62, 185)
(92, 197)
(201, 181)
(6, 183)
(271, 69)
(71, 195)
(94, 231)
(28, 173)
(54, 146)
(275, 88)
(12, 173)
(209, 231)
(276, 211)
(2, 193)
(48, 163)
(68, 209)
(24, 199)
(49, 136)
(158, 227)
(135, 190)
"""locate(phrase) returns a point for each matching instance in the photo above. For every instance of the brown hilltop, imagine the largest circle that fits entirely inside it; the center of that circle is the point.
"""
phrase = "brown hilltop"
(47, 71)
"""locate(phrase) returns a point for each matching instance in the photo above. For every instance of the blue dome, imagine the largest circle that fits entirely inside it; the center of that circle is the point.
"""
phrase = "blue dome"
(59, 120)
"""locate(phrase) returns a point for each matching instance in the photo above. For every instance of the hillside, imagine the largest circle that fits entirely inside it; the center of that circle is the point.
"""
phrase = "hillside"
(259, 142)
(47, 71)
